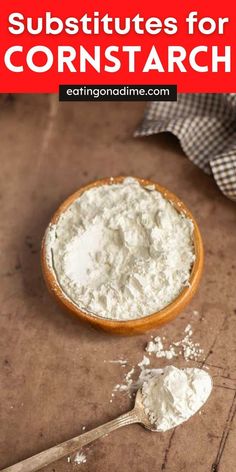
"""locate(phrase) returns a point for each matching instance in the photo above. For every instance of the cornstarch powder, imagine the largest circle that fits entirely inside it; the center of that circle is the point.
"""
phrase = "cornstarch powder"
(121, 251)
(173, 395)
(80, 458)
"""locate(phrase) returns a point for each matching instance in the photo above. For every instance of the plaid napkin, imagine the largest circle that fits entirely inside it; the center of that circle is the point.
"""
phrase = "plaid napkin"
(206, 127)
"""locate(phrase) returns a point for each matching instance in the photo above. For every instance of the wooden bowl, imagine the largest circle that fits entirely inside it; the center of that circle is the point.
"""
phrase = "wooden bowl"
(147, 322)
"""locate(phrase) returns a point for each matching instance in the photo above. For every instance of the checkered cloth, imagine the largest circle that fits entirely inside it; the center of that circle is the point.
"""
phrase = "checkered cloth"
(206, 127)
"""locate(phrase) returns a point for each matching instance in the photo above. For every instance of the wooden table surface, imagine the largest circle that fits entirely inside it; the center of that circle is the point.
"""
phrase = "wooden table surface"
(53, 376)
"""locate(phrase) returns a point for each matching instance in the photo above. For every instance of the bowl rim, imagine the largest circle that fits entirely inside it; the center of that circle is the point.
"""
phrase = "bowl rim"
(164, 315)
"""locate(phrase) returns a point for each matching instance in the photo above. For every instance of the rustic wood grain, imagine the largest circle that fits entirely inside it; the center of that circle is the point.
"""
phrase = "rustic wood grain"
(53, 376)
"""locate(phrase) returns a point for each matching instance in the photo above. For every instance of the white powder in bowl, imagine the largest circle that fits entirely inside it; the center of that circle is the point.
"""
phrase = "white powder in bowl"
(173, 395)
(121, 251)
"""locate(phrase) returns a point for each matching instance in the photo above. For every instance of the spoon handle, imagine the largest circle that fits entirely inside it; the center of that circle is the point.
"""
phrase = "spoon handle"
(44, 458)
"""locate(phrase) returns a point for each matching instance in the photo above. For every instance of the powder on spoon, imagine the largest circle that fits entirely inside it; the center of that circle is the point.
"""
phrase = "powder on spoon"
(121, 251)
(172, 395)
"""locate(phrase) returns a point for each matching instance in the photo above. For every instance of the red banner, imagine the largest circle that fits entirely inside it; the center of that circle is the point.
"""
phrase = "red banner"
(47, 43)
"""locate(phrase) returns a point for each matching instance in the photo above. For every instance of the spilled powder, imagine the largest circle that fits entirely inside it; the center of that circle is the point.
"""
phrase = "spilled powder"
(80, 458)
(156, 347)
(186, 347)
(127, 384)
(159, 347)
(118, 361)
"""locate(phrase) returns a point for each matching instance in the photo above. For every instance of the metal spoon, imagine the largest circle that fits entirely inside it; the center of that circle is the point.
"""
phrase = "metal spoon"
(136, 415)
